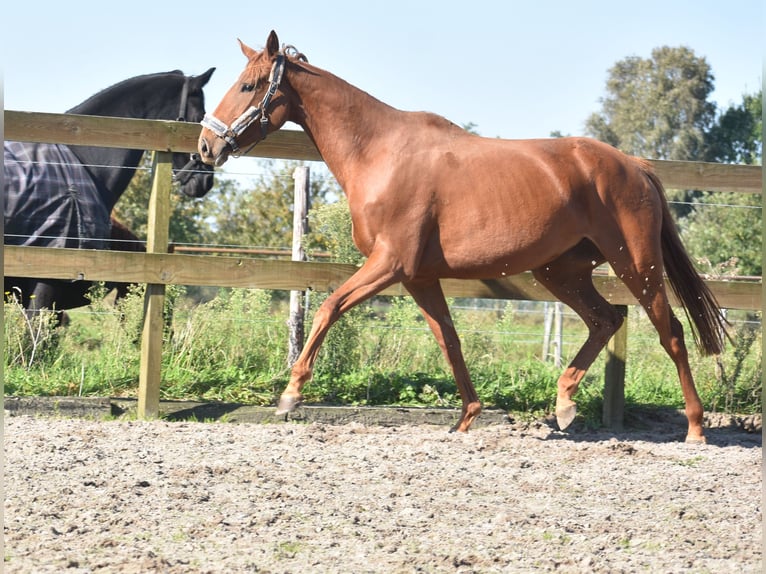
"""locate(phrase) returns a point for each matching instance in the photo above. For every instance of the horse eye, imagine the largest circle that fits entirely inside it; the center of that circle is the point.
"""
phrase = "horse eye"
(248, 87)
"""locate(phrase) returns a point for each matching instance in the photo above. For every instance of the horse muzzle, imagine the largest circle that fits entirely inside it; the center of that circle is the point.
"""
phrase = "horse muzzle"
(212, 149)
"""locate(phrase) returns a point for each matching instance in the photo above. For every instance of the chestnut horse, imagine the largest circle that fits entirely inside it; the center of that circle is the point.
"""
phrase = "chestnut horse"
(429, 200)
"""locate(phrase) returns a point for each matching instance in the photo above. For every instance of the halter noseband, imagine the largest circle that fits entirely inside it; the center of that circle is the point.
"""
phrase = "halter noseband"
(254, 113)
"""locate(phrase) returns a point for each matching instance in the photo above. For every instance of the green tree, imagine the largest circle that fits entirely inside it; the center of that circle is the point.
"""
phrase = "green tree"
(657, 107)
(186, 220)
(736, 136)
(725, 229)
(261, 215)
(723, 233)
(331, 229)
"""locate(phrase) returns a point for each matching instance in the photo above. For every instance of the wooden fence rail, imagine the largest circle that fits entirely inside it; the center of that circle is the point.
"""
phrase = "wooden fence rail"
(160, 268)
(294, 144)
(157, 268)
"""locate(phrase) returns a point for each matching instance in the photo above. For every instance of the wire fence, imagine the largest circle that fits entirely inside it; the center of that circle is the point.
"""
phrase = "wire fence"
(260, 168)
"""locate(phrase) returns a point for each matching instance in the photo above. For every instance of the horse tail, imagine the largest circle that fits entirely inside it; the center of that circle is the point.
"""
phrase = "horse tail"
(699, 303)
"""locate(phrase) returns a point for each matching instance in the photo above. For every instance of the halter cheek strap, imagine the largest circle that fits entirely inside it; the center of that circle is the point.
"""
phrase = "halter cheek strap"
(254, 113)
(183, 175)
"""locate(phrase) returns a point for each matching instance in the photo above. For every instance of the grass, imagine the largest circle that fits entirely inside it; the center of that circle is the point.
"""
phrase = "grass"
(234, 347)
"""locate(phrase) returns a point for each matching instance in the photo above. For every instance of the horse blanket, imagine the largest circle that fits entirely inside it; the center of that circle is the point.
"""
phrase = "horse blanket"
(50, 199)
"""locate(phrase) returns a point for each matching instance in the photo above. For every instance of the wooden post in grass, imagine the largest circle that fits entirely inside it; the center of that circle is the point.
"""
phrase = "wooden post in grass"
(150, 372)
(300, 227)
(613, 411)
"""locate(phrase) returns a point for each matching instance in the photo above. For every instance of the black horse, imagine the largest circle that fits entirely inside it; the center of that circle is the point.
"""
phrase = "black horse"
(63, 196)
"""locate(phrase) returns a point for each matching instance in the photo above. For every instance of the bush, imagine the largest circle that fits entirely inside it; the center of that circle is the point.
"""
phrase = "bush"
(234, 348)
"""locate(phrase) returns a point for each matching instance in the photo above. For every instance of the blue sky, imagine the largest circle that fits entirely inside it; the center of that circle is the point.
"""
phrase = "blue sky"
(517, 69)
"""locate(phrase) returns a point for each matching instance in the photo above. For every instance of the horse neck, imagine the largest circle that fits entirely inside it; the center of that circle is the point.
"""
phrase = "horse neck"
(343, 121)
(113, 168)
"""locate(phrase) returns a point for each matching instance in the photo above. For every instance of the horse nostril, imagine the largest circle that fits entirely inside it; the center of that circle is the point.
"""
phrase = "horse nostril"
(203, 147)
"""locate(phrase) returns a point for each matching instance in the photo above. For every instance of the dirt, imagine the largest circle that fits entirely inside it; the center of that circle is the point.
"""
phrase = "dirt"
(176, 497)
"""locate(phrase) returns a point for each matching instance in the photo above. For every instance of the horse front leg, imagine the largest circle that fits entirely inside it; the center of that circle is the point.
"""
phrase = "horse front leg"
(377, 273)
(430, 298)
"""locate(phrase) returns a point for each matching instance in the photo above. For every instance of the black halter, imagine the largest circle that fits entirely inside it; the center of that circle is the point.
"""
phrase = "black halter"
(184, 101)
(184, 174)
(254, 113)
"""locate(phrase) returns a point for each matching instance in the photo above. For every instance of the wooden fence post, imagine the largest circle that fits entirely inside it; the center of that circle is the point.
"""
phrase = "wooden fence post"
(553, 317)
(547, 325)
(300, 227)
(150, 373)
(558, 333)
(614, 375)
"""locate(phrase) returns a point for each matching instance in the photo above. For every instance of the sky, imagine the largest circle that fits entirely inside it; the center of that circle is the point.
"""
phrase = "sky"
(515, 69)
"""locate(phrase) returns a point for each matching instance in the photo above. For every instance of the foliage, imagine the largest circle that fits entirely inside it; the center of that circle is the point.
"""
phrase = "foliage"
(234, 348)
(28, 339)
(331, 229)
(260, 215)
(740, 372)
(96, 355)
(231, 348)
(725, 234)
(187, 216)
(737, 135)
(657, 107)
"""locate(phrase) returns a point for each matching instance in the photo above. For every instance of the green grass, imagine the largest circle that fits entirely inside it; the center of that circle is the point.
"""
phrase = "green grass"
(234, 347)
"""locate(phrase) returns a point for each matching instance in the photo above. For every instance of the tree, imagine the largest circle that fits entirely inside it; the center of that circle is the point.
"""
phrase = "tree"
(261, 215)
(725, 229)
(723, 233)
(186, 221)
(657, 107)
(736, 137)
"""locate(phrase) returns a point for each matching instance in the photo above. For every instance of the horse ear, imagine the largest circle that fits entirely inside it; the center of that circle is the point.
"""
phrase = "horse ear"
(247, 50)
(272, 45)
(203, 79)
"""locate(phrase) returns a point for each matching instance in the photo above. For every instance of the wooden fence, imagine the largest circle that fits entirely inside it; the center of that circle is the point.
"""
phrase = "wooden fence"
(157, 268)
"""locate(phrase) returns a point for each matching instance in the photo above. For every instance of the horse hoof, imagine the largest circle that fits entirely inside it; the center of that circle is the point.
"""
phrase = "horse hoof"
(469, 415)
(695, 440)
(565, 415)
(288, 403)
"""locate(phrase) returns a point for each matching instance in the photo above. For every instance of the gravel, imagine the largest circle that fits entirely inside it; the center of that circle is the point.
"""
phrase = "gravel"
(177, 497)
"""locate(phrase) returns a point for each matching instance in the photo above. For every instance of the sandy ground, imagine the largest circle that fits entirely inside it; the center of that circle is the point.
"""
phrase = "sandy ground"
(177, 497)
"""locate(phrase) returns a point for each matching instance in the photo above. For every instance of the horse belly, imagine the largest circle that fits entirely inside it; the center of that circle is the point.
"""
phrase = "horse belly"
(497, 251)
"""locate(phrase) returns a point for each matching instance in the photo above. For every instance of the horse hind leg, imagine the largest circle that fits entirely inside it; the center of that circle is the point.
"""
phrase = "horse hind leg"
(430, 298)
(645, 280)
(569, 278)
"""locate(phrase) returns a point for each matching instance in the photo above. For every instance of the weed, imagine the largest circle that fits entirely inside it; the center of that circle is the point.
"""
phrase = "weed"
(692, 462)
(234, 348)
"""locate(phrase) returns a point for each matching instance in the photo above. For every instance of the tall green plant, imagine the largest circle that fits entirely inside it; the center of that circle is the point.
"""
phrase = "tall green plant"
(231, 348)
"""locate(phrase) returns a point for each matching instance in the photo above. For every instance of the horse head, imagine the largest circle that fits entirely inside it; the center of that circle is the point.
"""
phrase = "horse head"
(256, 105)
(193, 175)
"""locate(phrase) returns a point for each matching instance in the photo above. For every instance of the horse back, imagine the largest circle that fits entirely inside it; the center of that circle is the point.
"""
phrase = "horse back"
(50, 199)
(488, 207)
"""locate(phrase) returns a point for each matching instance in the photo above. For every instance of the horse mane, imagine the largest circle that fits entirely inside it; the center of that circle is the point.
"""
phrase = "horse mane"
(96, 98)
